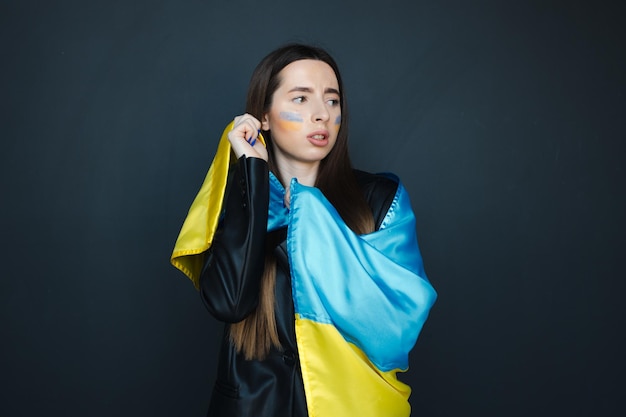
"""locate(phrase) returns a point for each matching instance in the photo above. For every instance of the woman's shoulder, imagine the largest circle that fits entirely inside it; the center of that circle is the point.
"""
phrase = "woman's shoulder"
(379, 191)
(376, 183)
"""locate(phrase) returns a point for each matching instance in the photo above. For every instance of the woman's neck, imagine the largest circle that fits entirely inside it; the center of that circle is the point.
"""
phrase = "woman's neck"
(305, 173)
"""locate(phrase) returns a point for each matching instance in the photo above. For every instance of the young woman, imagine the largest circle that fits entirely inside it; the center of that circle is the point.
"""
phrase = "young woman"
(314, 266)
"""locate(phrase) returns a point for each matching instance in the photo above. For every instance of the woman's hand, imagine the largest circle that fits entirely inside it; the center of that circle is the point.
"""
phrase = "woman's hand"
(243, 137)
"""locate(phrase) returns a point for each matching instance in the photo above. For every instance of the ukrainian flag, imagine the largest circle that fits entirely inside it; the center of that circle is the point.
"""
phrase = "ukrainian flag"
(360, 300)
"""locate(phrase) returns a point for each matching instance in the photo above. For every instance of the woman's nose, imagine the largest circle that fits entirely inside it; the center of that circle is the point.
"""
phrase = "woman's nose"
(320, 112)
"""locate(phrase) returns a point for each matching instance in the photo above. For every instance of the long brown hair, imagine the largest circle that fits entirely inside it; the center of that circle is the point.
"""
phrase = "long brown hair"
(255, 335)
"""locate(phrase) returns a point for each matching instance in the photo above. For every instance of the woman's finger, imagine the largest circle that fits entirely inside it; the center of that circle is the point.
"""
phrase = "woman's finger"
(243, 137)
(246, 127)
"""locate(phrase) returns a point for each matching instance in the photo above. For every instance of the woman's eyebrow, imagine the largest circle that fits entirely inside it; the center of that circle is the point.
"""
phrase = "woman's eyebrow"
(310, 90)
(301, 89)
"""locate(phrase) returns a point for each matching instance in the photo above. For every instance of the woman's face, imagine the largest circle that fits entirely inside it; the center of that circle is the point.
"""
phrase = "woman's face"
(305, 115)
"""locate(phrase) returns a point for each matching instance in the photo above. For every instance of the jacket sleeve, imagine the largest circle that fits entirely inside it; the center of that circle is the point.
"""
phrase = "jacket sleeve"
(230, 278)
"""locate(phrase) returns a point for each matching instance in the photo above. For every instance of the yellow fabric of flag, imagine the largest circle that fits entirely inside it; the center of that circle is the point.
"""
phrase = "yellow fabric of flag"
(340, 380)
(196, 234)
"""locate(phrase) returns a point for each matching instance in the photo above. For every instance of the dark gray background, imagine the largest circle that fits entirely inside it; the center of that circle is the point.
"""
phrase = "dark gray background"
(504, 119)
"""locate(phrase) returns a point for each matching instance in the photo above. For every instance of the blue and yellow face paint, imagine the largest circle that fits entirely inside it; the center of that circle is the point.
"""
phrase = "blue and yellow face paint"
(338, 123)
(290, 121)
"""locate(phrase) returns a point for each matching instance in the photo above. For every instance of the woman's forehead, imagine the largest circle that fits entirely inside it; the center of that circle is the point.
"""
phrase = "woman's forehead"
(308, 73)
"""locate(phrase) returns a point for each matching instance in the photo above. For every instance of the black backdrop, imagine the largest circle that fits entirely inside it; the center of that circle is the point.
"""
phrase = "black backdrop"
(505, 121)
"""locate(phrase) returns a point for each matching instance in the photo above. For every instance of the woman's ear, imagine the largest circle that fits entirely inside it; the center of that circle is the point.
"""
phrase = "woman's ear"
(265, 123)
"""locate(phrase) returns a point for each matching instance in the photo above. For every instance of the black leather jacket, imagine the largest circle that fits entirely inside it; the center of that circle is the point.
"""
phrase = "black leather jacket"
(229, 286)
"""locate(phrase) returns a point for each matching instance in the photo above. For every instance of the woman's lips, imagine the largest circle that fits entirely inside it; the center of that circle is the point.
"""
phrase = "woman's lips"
(318, 138)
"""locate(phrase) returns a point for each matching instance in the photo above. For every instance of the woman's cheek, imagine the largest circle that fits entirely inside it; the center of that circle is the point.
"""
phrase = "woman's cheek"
(290, 121)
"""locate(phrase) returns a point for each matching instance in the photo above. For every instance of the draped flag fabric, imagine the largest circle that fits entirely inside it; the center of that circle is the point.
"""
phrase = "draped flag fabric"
(360, 301)
(197, 232)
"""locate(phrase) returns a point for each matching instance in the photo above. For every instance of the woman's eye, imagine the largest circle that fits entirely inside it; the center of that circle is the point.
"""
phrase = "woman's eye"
(333, 102)
(300, 99)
